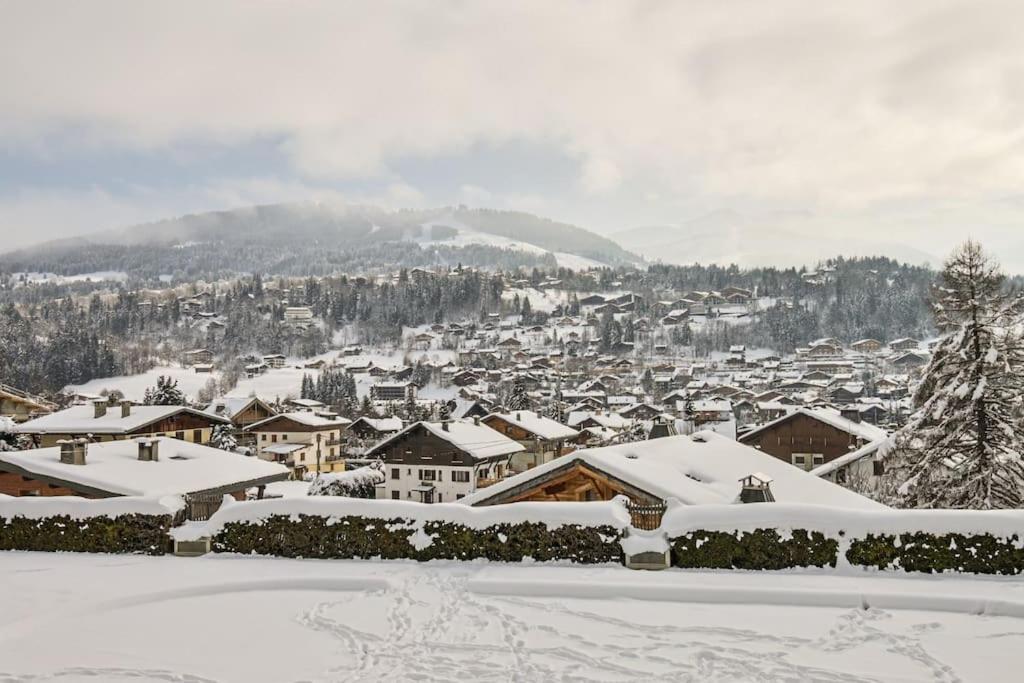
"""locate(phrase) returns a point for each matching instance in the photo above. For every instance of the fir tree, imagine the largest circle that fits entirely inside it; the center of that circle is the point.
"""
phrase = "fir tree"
(166, 393)
(517, 398)
(223, 438)
(963, 446)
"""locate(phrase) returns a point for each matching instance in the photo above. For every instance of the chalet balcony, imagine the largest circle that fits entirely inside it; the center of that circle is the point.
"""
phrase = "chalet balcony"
(484, 483)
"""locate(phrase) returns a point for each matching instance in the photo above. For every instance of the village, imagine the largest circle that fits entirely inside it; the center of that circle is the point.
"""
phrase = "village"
(503, 401)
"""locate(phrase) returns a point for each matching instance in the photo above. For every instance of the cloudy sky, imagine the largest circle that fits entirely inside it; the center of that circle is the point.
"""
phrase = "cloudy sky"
(891, 120)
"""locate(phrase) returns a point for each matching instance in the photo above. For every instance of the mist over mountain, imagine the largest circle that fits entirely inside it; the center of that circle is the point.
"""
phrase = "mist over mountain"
(782, 239)
(315, 238)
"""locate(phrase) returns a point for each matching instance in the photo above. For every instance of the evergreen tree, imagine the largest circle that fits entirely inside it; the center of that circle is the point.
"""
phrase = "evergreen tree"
(223, 438)
(517, 398)
(166, 393)
(963, 446)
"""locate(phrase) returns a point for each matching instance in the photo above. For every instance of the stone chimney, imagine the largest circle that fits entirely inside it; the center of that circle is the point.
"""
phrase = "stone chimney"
(149, 450)
(72, 451)
(99, 409)
(476, 420)
(519, 417)
(126, 408)
(444, 425)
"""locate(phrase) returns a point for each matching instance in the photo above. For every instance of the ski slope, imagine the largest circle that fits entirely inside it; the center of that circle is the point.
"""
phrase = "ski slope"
(71, 617)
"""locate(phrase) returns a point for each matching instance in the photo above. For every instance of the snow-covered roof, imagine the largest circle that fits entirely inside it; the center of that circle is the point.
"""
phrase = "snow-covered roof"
(284, 448)
(537, 424)
(610, 420)
(228, 406)
(478, 440)
(868, 432)
(82, 420)
(382, 424)
(114, 467)
(304, 418)
(869, 449)
(702, 469)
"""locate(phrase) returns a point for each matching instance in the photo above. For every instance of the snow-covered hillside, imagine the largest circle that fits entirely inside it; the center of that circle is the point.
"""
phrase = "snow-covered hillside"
(467, 235)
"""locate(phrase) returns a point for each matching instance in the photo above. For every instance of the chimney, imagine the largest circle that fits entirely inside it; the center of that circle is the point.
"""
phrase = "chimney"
(444, 425)
(99, 409)
(126, 408)
(72, 451)
(519, 417)
(149, 450)
(756, 489)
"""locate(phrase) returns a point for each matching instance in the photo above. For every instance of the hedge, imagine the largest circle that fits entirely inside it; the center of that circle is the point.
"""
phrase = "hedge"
(347, 537)
(759, 549)
(931, 553)
(789, 535)
(127, 533)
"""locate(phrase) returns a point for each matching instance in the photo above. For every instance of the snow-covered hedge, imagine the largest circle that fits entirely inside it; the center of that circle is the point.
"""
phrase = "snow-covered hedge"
(67, 523)
(325, 527)
(781, 536)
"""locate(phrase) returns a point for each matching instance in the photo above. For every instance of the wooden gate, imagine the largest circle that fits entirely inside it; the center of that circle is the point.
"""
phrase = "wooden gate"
(646, 517)
(199, 507)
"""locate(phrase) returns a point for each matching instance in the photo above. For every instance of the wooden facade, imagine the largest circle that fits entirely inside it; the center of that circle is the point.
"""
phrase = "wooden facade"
(575, 482)
(803, 435)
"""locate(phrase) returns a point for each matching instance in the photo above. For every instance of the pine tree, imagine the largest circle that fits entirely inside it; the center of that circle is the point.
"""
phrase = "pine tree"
(223, 438)
(517, 398)
(166, 393)
(963, 447)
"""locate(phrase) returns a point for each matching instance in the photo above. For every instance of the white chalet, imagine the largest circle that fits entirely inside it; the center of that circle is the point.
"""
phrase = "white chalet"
(433, 462)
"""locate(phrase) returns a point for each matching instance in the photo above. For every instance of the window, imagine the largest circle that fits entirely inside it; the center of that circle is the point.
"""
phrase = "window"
(440, 498)
(396, 495)
(263, 437)
(460, 476)
(179, 436)
(273, 437)
(798, 459)
(197, 435)
(428, 475)
(878, 468)
(460, 496)
(818, 460)
(396, 473)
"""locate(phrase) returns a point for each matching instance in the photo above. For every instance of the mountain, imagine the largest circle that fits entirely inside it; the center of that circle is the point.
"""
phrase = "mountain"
(788, 239)
(316, 238)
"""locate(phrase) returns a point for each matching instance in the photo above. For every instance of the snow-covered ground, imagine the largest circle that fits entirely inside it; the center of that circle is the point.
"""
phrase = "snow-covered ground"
(91, 617)
(134, 386)
(53, 278)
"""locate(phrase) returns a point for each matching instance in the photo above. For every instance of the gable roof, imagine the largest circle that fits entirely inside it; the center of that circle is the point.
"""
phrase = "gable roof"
(82, 420)
(701, 469)
(863, 430)
(536, 424)
(304, 418)
(230, 406)
(114, 468)
(478, 441)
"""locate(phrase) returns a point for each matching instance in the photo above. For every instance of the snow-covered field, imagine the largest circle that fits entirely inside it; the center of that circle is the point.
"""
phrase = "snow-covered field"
(91, 617)
(53, 278)
(134, 386)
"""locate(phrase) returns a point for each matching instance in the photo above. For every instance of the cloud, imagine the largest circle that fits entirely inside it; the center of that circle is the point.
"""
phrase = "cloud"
(834, 104)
